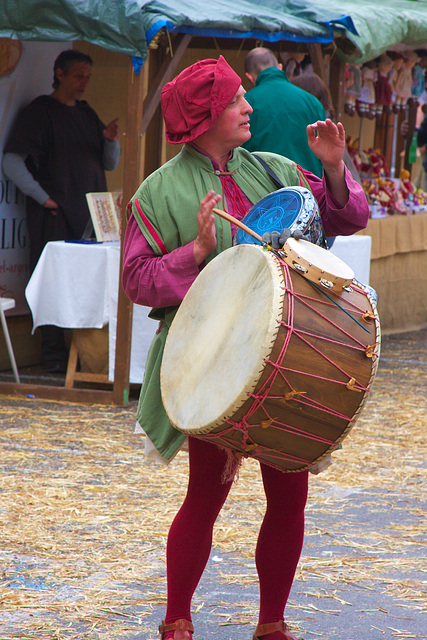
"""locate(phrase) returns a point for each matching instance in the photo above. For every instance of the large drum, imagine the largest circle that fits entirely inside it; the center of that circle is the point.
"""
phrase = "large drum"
(264, 361)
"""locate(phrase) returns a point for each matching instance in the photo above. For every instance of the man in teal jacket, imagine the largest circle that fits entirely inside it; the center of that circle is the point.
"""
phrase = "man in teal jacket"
(281, 111)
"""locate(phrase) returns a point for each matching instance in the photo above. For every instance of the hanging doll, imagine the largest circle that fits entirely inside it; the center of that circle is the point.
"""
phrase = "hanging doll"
(418, 81)
(404, 80)
(366, 105)
(394, 74)
(354, 88)
(292, 63)
(383, 87)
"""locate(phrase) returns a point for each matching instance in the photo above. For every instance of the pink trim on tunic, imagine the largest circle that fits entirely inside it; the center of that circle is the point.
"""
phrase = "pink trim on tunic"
(151, 230)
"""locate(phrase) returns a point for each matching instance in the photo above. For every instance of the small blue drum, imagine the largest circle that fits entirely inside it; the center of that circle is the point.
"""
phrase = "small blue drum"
(293, 208)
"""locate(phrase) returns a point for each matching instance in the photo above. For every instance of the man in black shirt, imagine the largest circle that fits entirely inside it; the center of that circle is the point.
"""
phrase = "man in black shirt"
(57, 152)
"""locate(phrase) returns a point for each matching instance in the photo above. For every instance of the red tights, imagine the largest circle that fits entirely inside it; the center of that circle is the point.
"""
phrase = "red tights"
(190, 537)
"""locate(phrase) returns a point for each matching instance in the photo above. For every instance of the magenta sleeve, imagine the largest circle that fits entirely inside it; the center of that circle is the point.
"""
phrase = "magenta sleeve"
(151, 280)
(340, 221)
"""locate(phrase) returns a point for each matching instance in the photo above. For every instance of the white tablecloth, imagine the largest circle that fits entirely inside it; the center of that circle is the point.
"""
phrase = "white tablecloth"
(356, 252)
(75, 286)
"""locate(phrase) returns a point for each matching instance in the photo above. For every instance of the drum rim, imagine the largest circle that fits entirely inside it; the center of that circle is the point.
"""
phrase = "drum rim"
(297, 250)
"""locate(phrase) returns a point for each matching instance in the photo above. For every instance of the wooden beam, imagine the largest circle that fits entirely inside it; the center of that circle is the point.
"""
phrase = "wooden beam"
(133, 137)
(135, 129)
(46, 392)
(383, 138)
(131, 180)
(163, 76)
(316, 57)
(154, 131)
(337, 86)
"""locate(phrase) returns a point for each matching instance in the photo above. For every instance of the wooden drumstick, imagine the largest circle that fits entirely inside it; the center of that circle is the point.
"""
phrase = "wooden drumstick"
(233, 220)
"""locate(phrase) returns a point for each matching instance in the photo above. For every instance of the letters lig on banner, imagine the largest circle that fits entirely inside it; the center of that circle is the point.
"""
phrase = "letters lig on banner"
(26, 71)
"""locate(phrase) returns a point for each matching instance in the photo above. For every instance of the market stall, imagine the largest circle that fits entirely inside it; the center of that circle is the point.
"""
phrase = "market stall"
(388, 168)
(158, 40)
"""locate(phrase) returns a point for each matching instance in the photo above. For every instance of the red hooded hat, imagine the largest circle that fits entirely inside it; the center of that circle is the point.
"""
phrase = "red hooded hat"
(193, 100)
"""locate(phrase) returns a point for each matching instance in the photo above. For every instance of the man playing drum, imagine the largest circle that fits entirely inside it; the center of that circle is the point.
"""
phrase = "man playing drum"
(172, 233)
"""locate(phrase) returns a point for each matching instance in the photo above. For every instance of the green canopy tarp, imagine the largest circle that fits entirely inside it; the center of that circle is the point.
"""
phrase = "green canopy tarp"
(365, 28)
(128, 26)
(381, 25)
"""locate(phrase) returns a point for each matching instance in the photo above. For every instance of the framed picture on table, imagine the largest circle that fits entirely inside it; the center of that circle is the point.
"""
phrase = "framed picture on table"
(104, 210)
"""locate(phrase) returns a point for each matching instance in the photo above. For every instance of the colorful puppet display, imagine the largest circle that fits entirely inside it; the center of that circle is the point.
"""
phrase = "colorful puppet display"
(385, 84)
(386, 196)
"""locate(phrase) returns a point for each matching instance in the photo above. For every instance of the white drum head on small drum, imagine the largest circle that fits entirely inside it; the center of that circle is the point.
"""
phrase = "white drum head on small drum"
(233, 311)
(317, 264)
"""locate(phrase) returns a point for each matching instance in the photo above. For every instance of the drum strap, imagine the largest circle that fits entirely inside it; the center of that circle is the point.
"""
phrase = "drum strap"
(270, 171)
(276, 179)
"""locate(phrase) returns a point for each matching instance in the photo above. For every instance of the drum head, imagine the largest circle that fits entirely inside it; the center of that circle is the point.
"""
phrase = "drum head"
(224, 329)
(286, 208)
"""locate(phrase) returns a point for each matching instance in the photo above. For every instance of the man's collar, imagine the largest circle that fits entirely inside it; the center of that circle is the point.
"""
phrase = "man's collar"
(270, 72)
(208, 162)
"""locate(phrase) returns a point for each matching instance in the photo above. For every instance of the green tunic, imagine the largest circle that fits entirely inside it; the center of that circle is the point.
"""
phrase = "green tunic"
(170, 199)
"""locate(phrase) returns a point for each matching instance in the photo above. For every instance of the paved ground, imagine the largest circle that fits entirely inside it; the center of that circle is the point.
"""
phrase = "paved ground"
(83, 522)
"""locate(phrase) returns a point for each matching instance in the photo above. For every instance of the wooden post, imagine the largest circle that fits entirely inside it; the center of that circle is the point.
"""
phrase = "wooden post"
(137, 124)
(384, 135)
(131, 180)
(316, 57)
(164, 74)
(337, 86)
(153, 134)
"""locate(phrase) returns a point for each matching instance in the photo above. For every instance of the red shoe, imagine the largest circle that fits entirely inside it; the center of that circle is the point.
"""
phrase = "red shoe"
(264, 629)
(183, 630)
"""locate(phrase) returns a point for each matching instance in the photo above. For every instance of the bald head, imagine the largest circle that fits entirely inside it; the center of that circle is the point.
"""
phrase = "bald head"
(259, 59)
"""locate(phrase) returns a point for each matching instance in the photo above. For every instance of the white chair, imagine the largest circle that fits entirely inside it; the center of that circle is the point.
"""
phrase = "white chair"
(5, 305)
